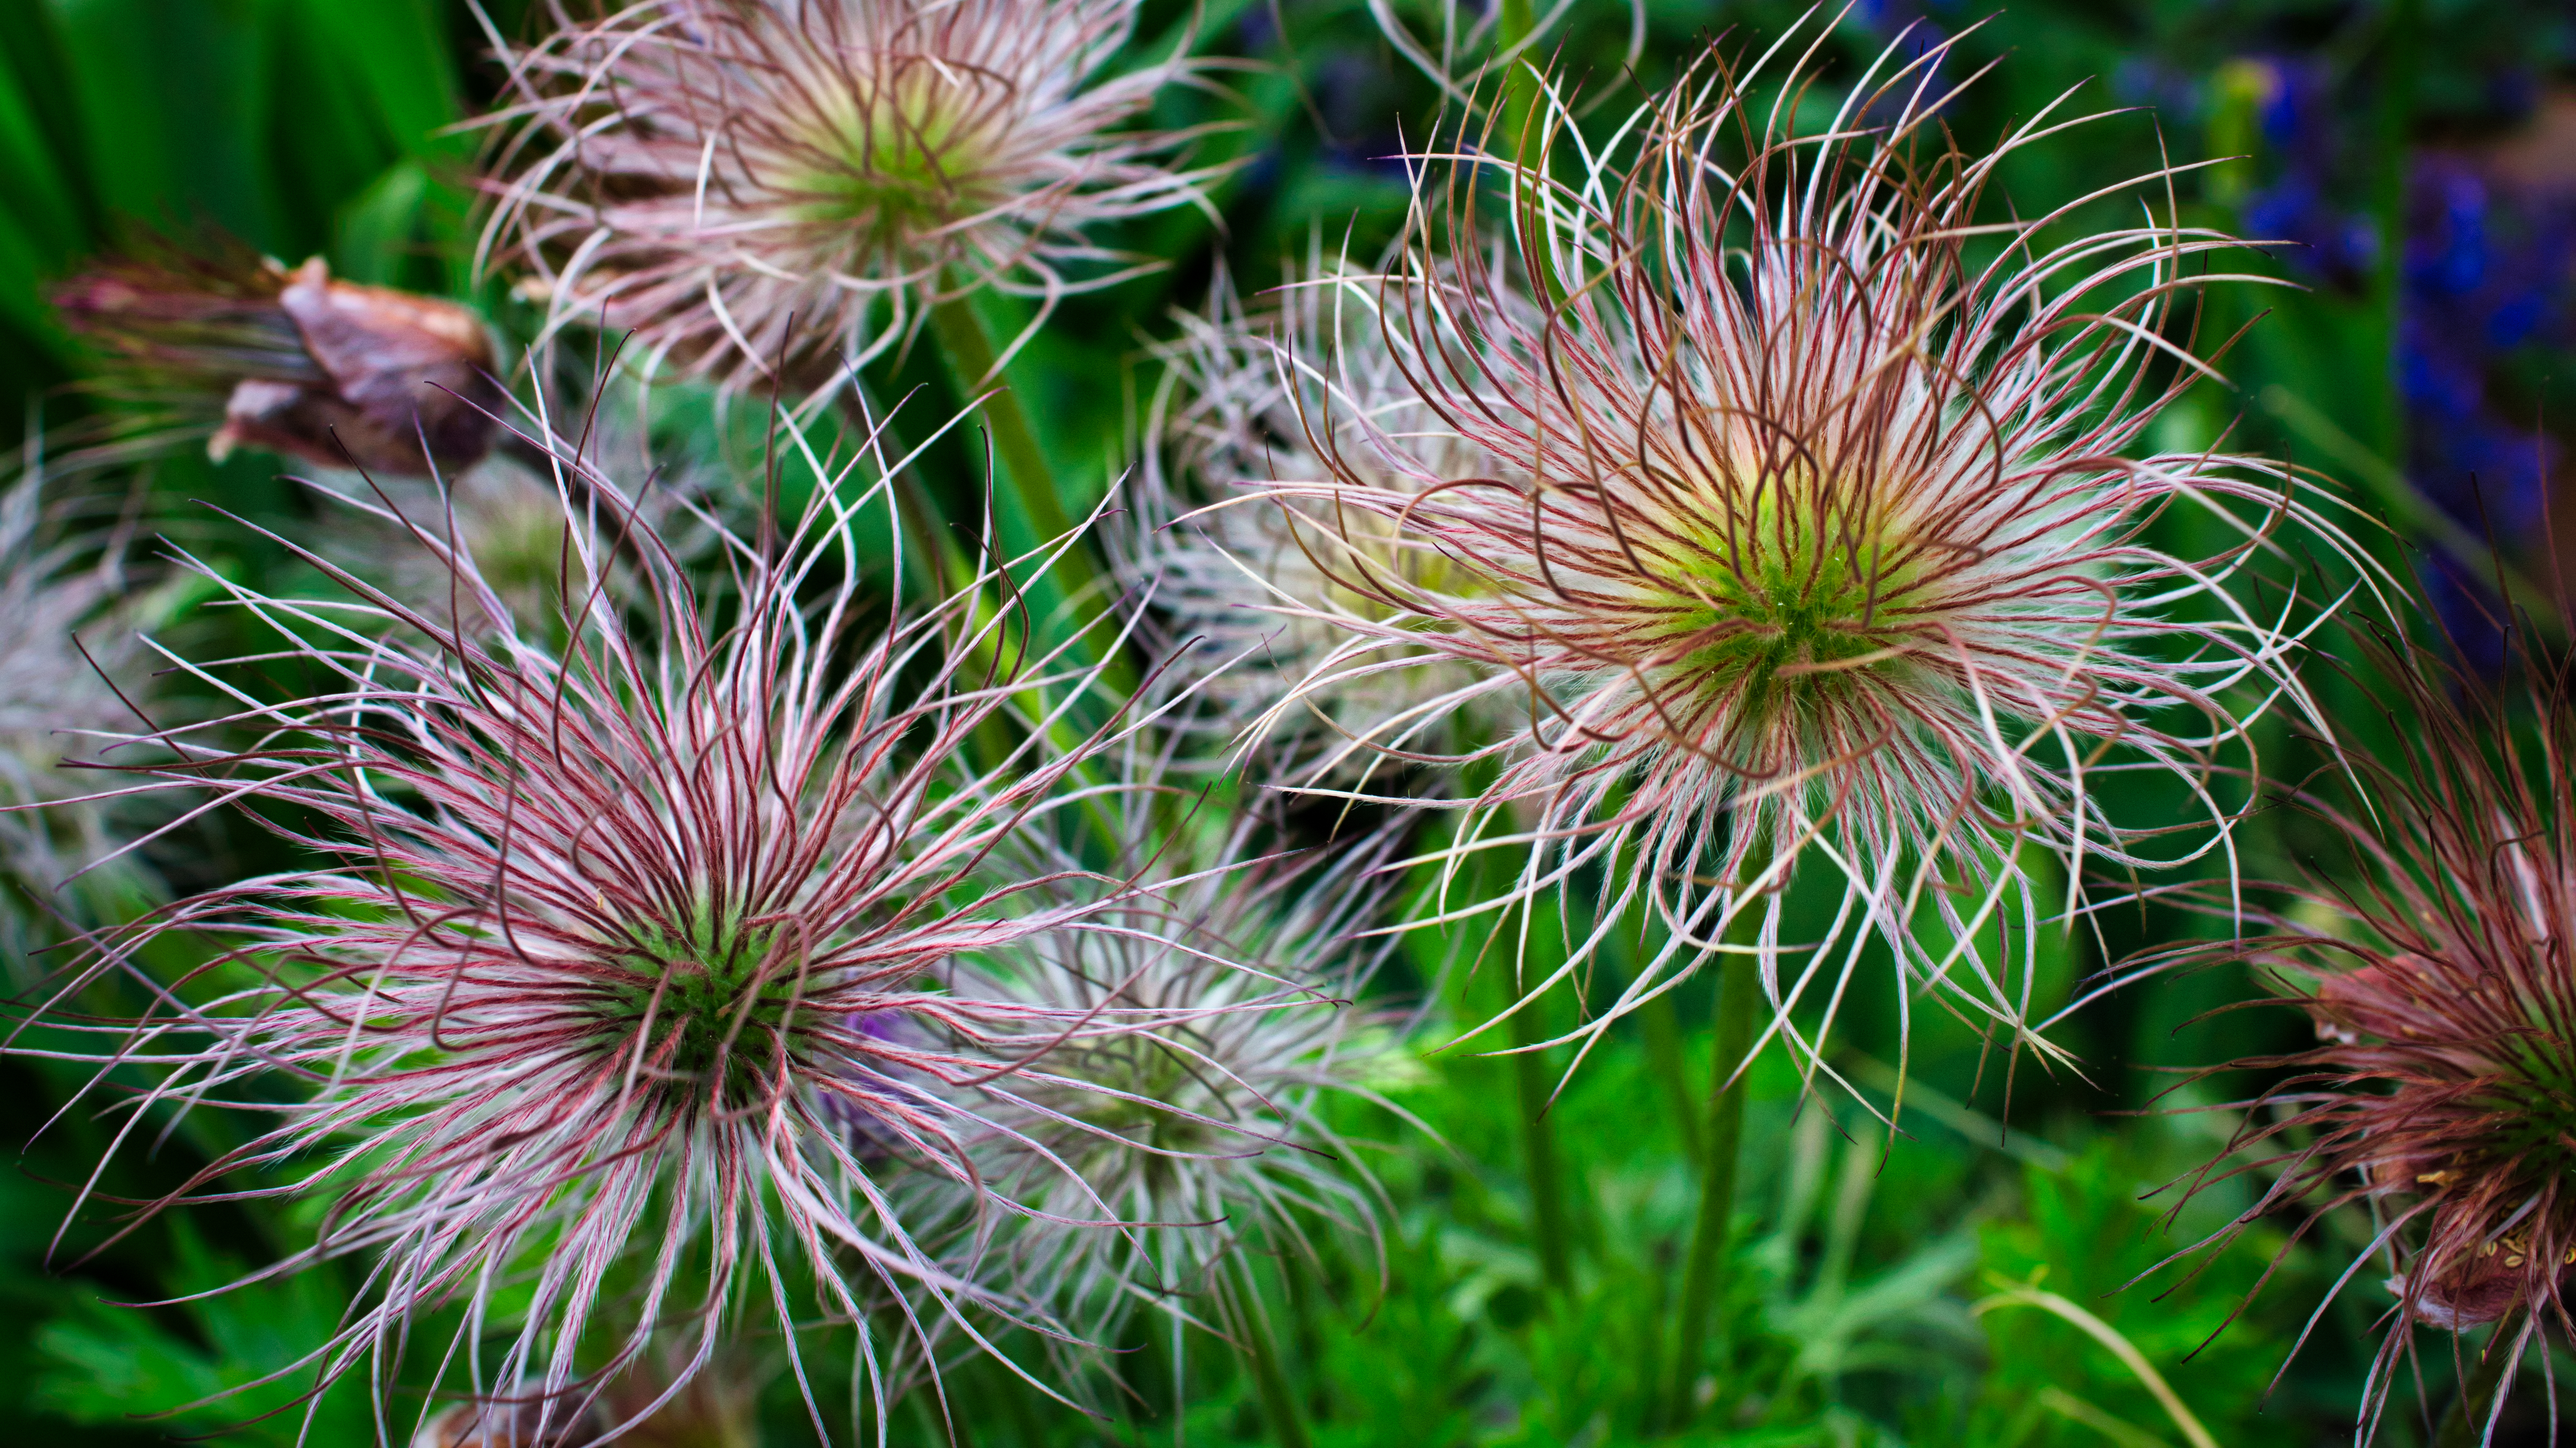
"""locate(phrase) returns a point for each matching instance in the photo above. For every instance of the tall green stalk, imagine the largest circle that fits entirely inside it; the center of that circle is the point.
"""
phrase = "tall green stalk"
(1549, 1226)
(1278, 1400)
(1519, 86)
(1549, 1230)
(973, 365)
(1739, 1002)
(1660, 1020)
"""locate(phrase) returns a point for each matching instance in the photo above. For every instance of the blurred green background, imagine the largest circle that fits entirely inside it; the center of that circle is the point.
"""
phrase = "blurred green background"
(2414, 159)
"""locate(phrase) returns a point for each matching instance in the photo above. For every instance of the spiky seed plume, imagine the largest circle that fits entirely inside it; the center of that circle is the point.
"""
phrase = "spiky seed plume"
(2435, 952)
(68, 666)
(613, 1005)
(742, 179)
(210, 334)
(1214, 1143)
(1226, 567)
(1812, 507)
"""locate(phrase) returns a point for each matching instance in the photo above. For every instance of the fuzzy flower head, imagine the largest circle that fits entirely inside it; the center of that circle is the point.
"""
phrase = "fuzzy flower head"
(293, 361)
(1228, 570)
(2439, 968)
(614, 1006)
(734, 178)
(1203, 1136)
(67, 675)
(1811, 528)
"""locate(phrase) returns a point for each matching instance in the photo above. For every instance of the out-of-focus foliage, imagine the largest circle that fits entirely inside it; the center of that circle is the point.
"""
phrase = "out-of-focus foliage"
(2416, 161)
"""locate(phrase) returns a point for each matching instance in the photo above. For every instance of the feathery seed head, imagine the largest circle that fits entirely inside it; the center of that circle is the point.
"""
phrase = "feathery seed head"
(621, 923)
(1201, 1131)
(1231, 572)
(2443, 990)
(291, 361)
(735, 178)
(68, 667)
(1807, 517)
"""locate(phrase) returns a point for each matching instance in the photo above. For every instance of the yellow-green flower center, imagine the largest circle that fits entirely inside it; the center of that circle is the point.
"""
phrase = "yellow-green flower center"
(898, 160)
(1796, 589)
(710, 994)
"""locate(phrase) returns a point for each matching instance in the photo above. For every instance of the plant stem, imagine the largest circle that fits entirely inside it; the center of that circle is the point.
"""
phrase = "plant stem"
(1278, 1402)
(1660, 1020)
(1520, 90)
(972, 365)
(1538, 1148)
(968, 350)
(2466, 1423)
(1739, 999)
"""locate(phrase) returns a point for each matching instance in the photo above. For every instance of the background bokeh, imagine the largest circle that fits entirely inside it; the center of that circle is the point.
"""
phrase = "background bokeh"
(2412, 164)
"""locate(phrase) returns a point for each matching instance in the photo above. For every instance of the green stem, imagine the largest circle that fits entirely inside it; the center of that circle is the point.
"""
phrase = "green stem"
(2466, 1423)
(1524, 126)
(973, 366)
(1661, 1021)
(1278, 1401)
(1739, 1000)
(1520, 88)
(1538, 1147)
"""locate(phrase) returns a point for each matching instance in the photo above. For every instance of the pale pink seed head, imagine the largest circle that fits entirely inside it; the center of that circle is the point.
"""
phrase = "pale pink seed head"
(617, 1007)
(1201, 1134)
(739, 180)
(1810, 531)
(1228, 573)
(70, 672)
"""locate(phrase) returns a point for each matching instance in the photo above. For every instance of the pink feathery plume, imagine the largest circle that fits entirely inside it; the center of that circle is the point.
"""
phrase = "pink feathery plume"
(1797, 518)
(618, 999)
(2434, 959)
(746, 180)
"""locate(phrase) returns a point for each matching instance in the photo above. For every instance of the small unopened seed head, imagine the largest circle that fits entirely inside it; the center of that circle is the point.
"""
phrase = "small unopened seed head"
(292, 361)
(1252, 590)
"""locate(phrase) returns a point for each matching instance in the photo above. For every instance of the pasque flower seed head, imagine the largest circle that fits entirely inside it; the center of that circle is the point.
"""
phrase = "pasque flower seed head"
(616, 1004)
(737, 179)
(1796, 512)
(2439, 970)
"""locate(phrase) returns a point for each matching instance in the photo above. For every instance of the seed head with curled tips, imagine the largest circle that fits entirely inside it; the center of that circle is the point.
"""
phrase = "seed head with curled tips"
(2438, 965)
(740, 178)
(1809, 531)
(617, 1003)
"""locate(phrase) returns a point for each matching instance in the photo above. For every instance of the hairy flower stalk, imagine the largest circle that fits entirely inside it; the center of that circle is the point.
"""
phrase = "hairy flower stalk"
(617, 1006)
(292, 361)
(2442, 1093)
(745, 180)
(1809, 508)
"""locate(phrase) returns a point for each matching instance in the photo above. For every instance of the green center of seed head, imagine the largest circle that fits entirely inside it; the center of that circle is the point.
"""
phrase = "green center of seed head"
(897, 159)
(1792, 581)
(710, 996)
(1163, 1078)
(2536, 1110)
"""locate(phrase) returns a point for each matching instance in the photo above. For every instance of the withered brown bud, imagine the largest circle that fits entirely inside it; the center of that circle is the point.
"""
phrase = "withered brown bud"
(329, 371)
